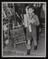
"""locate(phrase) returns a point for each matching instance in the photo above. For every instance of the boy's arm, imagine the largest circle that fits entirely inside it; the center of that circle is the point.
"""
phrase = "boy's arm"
(35, 20)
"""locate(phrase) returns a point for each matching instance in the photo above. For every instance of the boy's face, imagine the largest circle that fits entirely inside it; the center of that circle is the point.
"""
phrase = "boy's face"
(30, 10)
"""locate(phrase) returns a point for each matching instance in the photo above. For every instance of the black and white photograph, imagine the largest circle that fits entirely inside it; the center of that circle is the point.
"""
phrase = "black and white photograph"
(23, 29)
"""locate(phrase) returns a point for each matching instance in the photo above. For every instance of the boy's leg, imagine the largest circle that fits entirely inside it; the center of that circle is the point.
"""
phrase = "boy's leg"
(28, 42)
(28, 47)
(35, 41)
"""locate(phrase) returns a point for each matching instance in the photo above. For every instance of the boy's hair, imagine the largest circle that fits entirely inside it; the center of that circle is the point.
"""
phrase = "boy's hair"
(29, 6)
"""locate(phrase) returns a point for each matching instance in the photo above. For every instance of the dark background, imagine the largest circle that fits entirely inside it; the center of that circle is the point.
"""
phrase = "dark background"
(1, 27)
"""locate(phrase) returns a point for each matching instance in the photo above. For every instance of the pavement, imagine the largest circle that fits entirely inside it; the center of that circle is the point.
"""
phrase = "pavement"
(21, 50)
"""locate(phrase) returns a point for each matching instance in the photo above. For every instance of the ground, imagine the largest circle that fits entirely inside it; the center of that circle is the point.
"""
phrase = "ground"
(21, 50)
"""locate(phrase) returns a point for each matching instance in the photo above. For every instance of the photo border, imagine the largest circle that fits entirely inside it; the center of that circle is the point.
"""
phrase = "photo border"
(2, 30)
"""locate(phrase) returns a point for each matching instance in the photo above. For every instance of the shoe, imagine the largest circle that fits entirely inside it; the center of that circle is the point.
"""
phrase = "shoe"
(35, 47)
(28, 52)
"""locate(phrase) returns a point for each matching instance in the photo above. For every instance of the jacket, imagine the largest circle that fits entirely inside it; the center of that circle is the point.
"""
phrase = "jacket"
(31, 23)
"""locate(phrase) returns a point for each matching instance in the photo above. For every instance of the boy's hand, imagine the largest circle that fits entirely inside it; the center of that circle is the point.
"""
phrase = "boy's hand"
(32, 21)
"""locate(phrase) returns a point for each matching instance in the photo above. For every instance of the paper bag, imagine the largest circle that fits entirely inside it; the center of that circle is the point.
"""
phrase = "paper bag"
(30, 30)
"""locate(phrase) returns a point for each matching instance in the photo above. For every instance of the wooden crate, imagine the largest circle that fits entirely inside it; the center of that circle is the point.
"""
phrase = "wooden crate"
(17, 36)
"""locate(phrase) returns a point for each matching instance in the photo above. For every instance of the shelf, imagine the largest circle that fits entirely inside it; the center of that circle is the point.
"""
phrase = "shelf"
(21, 42)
